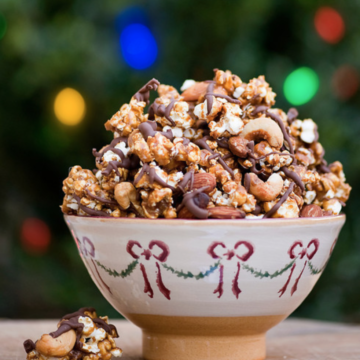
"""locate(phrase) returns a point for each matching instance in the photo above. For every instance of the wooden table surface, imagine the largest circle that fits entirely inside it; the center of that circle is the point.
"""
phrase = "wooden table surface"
(291, 340)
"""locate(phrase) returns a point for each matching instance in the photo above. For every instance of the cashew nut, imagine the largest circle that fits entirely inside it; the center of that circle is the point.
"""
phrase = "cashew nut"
(266, 191)
(125, 193)
(264, 129)
(58, 347)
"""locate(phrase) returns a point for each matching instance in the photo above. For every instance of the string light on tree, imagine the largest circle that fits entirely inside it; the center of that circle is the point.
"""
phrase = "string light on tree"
(329, 24)
(69, 107)
(345, 82)
(138, 46)
(301, 85)
(35, 236)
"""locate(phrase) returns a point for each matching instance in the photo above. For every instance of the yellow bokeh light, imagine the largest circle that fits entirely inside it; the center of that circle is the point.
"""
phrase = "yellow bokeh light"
(69, 106)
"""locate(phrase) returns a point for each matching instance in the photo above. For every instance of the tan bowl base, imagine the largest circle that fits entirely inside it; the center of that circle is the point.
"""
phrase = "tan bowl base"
(204, 338)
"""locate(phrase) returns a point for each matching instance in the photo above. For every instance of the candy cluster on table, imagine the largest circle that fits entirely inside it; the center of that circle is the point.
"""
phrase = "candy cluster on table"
(217, 150)
(81, 335)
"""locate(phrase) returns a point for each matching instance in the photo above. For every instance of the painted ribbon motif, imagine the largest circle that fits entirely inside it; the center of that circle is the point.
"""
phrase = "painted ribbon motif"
(302, 251)
(229, 254)
(87, 248)
(147, 255)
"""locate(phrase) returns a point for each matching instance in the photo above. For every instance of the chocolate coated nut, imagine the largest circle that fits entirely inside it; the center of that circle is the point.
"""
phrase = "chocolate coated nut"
(238, 146)
(204, 179)
(311, 211)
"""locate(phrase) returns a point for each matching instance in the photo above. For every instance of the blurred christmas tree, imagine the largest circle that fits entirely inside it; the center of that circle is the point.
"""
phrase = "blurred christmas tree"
(106, 52)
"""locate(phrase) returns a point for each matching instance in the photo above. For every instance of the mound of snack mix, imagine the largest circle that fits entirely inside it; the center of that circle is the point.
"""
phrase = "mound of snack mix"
(80, 335)
(217, 150)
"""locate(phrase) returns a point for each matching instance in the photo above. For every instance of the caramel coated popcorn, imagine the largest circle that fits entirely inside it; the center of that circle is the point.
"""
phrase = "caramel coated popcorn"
(217, 150)
(80, 336)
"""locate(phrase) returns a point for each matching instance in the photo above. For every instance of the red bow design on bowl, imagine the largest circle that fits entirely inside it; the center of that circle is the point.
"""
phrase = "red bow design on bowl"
(229, 254)
(148, 254)
(87, 248)
(297, 250)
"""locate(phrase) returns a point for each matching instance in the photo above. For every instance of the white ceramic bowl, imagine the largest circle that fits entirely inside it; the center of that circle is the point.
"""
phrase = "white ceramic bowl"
(205, 289)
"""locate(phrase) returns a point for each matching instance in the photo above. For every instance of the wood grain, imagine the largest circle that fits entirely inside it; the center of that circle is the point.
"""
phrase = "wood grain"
(291, 340)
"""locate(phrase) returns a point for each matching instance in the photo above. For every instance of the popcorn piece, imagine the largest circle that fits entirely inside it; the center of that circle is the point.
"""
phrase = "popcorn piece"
(230, 122)
(201, 110)
(128, 118)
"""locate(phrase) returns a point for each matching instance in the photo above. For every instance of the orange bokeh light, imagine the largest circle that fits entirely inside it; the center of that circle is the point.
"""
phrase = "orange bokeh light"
(329, 24)
(35, 235)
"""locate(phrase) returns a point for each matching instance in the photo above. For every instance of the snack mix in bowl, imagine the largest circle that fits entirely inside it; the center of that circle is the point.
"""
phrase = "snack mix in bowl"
(217, 150)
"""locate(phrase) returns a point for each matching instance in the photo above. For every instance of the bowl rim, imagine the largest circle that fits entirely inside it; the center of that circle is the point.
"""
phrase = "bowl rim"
(201, 222)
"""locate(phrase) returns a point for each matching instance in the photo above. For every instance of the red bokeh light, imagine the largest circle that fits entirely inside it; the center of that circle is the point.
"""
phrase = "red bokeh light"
(35, 235)
(345, 82)
(329, 24)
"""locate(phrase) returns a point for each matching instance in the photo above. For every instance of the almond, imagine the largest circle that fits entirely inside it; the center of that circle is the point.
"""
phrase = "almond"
(225, 212)
(238, 146)
(311, 211)
(193, 93)
(204, 179)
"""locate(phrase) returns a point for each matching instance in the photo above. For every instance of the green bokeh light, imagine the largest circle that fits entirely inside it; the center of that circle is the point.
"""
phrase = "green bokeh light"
(301, 86)
(2, 26)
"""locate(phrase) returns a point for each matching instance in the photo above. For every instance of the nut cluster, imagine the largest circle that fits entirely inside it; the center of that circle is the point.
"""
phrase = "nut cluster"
(217, 150)
(80, 336)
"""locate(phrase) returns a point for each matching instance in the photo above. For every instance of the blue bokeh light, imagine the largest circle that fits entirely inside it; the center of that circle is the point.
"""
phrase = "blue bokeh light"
(138, 46)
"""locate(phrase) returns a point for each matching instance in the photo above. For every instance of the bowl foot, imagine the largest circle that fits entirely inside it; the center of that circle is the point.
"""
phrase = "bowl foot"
(181, 347)
(204, 338)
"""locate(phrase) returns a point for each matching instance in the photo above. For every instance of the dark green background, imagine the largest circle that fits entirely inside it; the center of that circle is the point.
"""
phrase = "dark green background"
(54, 44)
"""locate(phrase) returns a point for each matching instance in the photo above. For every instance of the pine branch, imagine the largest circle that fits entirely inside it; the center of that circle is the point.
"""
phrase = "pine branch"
(266, 274)
(188, 274)
(314, 270)
(124, 273)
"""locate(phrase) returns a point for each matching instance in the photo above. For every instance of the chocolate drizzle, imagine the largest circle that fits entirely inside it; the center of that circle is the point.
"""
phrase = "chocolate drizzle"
(29, 346)
(202, 143)
(292, 114)
(129, 163)
(148, 128)
(89, 211)
(258, 109)
(252, 158)
(162, 111)
(188, 177)
(275, 208)
(247, 182)
(189, 201)
(144, 93)
(223, 142)
(99, 198)
(153, 177)
(210, 94)
(284, 131)
(294, 176)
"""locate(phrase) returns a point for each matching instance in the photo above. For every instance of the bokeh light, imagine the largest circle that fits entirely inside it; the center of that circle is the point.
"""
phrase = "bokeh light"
(35, 236)
(345, 82)
(329, 24)
(301, 85)
(138, 46)
(69, 106)
(3, 26)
